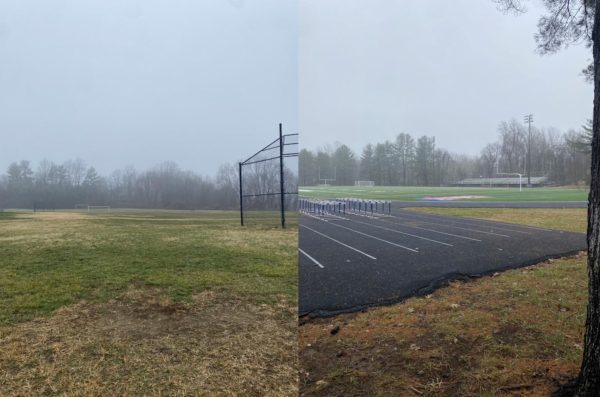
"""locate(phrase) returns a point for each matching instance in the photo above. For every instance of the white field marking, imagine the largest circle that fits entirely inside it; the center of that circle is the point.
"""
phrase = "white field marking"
(408, 234)
(462, 228)
(339, 242)
(311, 258)
(376, 238)
(437, 231)
(470, 222)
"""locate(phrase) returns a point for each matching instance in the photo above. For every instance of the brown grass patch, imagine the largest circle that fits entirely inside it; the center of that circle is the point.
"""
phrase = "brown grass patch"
(517, 333)
(57, 216)
(144, 344)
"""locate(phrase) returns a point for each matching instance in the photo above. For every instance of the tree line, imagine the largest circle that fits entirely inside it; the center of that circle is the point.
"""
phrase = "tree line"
(65, 185)
(408, 161)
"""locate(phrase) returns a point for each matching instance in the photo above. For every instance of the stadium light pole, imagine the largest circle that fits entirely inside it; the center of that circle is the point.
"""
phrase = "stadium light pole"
(529, 120)
(433, 161)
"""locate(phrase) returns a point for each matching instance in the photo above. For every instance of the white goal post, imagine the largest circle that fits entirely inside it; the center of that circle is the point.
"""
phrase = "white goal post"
(99, 208)
(364, 183)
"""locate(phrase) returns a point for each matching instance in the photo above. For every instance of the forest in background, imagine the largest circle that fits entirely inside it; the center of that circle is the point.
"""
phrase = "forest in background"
(564, 157)
(51, 185)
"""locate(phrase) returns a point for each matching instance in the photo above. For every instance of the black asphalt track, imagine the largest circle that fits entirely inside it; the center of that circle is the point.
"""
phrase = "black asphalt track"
(349, 264)
(490, 204)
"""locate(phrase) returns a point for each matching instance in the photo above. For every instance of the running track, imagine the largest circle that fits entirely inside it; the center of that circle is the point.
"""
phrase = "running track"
(349, 264)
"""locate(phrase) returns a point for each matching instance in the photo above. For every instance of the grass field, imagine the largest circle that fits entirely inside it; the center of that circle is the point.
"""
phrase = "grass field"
(146, 303)
(515, 333)
(413, 193)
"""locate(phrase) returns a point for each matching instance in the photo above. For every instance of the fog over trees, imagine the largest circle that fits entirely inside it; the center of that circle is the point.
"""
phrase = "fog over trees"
(64, 185)
(405, 160)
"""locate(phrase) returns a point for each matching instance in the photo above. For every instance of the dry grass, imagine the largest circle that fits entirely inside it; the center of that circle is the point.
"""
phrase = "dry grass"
(144, 344)
(518, 333)
(174, 303)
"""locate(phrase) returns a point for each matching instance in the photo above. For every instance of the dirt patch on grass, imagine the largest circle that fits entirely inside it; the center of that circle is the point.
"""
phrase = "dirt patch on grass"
(516, 333)
(145, 344)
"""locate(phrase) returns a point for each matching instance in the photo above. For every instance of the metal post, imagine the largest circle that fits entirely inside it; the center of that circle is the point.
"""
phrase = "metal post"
(241, 197)
(529, 120)
(529, 157)
(281, 185)
(520, 184)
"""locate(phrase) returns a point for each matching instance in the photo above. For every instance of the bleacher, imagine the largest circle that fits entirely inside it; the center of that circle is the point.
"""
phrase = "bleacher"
(536, 181)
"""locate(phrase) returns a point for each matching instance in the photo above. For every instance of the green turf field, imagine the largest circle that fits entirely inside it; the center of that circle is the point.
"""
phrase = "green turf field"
(413, 193)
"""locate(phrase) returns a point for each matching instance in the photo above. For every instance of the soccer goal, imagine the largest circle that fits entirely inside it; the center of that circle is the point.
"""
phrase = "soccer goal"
(364, 183)
(98, 208)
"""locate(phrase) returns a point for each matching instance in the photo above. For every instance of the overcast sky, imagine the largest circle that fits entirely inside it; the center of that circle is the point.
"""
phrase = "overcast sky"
(369, 70)
(143, 81)
(206, 82)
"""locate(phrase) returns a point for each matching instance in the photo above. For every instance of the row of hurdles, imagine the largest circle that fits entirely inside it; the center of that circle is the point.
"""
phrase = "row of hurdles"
(343, 206)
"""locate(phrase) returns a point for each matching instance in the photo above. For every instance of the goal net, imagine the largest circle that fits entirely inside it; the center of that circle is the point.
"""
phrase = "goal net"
(98, 208)
(364, 183)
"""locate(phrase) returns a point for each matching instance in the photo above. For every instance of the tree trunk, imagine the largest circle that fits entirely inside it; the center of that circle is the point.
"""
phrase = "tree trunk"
(589, 376)
(587, 382)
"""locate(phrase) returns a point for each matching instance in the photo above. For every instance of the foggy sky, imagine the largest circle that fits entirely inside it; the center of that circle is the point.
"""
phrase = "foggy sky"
(369, 70)
(139, 82)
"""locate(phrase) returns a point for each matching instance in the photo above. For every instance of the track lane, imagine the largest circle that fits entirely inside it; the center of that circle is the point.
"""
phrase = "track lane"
(350, 281)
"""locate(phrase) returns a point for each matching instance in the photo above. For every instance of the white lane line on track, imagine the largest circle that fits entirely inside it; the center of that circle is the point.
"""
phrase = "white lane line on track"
(325, 218)
(457, 227)
(473, 230)
(376, 238)
(437, 231)
(311, 258)
(468, 222)
(339, 242)
(408, 234)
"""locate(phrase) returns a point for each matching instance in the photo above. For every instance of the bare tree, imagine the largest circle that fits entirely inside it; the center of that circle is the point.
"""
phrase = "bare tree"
(490, 155)
(76, 171)
(405, 151)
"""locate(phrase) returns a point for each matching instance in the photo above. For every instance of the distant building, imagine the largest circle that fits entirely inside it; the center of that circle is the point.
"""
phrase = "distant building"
(536, 181)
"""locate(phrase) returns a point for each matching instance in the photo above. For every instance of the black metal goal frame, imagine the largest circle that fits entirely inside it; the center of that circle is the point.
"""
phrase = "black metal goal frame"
(280, 144)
